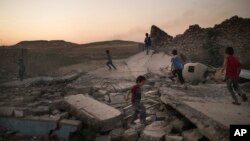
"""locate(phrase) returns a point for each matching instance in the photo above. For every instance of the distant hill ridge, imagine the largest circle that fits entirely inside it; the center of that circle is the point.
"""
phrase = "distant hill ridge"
(62, 44)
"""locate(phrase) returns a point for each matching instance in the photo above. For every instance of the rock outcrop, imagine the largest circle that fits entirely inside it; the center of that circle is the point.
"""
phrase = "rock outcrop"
(159, 37)
(207, 45)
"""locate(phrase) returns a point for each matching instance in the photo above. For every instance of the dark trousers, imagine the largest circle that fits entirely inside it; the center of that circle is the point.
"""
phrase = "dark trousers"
(139, 108)
(233, 86)
(109, 64)
(179, 74)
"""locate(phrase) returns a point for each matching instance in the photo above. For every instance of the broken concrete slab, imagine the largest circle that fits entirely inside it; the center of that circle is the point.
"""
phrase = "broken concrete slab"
(154, 132)
(94, 112)
(209, 127)
(6, 111)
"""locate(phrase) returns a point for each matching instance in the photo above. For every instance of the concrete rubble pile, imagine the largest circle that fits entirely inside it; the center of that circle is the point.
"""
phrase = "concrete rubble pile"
(57, 114)
(93, 107)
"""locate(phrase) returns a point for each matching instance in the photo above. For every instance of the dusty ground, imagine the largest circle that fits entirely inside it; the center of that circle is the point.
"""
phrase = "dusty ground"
(46, 61)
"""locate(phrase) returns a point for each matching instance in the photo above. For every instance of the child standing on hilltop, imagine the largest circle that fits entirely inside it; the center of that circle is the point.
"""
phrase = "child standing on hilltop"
(147, 42)
(109, 63)
(177, 67)
(233, 68)
(138, 106)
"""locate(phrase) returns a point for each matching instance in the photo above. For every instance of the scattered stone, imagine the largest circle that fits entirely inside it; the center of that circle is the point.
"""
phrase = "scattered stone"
(6, 111)
(148, 119)
(18, 113)
(157, 84)
(146, 87)
(130, 135)
(173, 138)
(116, 134)
(40, 110)
(168, 129)
(161, 116)
(102, 92)
(55, 112)
(36, 93)
(151, 81)
(192, 135)
(177, 125)
(154, 132)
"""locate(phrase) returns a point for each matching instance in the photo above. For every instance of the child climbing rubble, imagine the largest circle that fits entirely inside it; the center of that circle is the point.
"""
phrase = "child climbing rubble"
(232, 67)
(138, 106)
(177, 67)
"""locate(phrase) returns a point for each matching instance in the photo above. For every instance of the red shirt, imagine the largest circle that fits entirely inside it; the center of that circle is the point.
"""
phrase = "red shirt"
(233, 67)
(136, 94)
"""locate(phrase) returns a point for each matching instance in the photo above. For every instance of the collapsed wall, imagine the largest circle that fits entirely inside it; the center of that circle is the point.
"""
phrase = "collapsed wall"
(207, 45)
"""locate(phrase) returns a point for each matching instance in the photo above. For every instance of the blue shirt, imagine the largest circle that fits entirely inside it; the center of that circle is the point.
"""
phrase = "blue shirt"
(177, 62)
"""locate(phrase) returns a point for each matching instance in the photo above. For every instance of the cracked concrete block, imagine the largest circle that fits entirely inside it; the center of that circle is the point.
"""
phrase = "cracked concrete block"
(94, 112)
(173, 138)
(192, 135)
(6, 111)
(116, 134)
(130, 135)
(154, 132)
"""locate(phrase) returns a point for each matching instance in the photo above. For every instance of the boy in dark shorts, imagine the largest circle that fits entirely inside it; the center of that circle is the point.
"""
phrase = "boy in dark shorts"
(233, 67)
(138, 106)
(109, 62)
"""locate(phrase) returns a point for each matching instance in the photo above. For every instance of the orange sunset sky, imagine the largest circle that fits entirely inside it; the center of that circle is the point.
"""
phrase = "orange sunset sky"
(83, 21)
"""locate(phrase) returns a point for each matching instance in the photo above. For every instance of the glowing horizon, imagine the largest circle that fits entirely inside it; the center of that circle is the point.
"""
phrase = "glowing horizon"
(84, 21)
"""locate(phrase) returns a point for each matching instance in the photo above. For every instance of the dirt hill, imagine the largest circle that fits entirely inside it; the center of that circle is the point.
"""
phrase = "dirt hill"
(46, 57)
